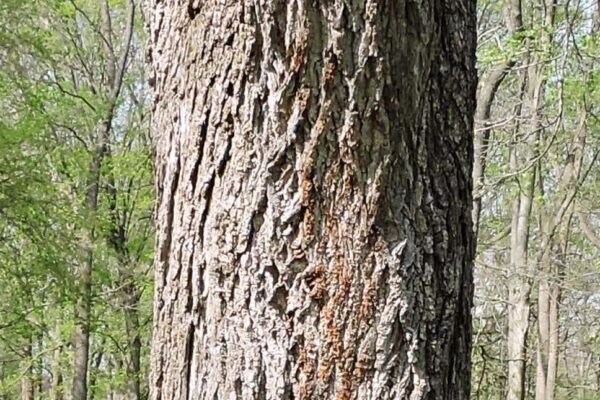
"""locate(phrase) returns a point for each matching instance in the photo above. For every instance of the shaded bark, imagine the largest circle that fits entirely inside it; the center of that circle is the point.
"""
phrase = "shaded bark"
(313, 165)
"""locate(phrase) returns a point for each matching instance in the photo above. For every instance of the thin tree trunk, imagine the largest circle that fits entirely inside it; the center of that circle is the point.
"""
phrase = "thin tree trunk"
(547, 347)
(129, 295)
(56, 384)
(543, 339)
(115, 68)
(314, 178)
(519, 285)
(519, 291)
(81, 340)
(132, 328)
(485, 99)
(549, 291)
(553, 350)
(525, 267)
(81, 337)
(27, 382)
(96, 367)
(82, 315)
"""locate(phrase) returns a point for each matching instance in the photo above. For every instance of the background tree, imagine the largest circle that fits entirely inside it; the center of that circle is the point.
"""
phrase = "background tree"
(540, 152)
(77, 198)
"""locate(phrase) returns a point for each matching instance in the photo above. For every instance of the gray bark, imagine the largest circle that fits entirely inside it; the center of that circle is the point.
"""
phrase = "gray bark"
(313, 170)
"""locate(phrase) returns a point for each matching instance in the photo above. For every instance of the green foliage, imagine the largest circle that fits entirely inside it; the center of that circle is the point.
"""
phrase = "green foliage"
(564, 53)
(53, 96)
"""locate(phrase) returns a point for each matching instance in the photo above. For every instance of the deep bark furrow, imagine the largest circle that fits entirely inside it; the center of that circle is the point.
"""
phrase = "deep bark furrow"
(333, 255)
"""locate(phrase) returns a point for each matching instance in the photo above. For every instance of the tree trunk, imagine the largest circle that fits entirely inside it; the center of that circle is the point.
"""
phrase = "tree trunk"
(547, 349)
(485, 98)
(83, 306)
(56, 384)
(134, 345)
(111, 86)
(519, 289)
(551, 264)
(27, 383)
(522, 152)
(522, 267)
(313, 165)
(98, 358)
(129, 294)
(81, 337)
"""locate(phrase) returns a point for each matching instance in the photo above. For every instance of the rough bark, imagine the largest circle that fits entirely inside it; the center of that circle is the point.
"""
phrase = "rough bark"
(313, 165)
